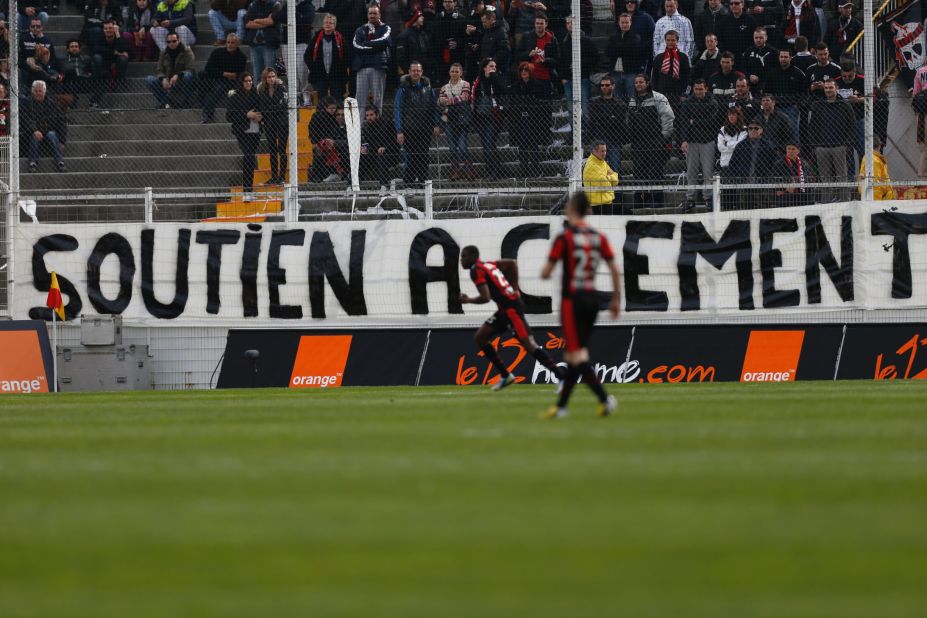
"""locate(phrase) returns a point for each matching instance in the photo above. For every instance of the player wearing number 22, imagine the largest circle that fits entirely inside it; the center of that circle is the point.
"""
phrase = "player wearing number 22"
(498, 281)
(579, 249)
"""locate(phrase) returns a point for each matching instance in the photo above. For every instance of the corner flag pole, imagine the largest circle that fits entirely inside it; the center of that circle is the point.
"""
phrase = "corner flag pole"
(55, 350)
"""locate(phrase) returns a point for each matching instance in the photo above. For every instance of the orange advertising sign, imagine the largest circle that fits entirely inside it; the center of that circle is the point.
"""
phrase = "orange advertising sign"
(21, 366)
(772, 356)
(320, 361)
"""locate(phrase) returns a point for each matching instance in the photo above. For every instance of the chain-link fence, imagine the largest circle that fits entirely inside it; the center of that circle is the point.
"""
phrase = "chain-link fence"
(472, 103)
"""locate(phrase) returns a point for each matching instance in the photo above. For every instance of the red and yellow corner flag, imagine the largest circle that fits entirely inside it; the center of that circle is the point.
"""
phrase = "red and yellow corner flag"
(54, 301)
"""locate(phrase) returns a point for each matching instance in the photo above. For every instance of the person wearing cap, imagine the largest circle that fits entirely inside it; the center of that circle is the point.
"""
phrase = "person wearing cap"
(753, 160)
(414, 45)
(880, 173)
(673, 20)
(831, 124)
(843, 29)
(792, 171)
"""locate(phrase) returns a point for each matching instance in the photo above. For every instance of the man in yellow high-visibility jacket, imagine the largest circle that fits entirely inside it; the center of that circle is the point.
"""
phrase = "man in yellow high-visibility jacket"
(880, 173)
(597, 173)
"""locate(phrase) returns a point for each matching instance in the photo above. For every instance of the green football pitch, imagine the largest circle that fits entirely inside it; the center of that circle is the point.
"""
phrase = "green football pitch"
(714, 500)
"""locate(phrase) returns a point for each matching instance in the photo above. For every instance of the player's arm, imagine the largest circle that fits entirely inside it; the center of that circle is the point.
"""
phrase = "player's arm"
(482, 299)
(509, 268)
(614, 307)
(548, 269)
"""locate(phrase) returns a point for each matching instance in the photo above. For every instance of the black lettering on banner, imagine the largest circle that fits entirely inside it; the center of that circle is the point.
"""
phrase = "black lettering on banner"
(324, 265)
(771, 259)
(421, 275)
(899, 226)
(156, 308)
(41, 278)
(276, 276)
(819, 253)
(510, 245)
(636, 264)
(215, 240)
(697, 241)
(249, 270)
(117, 245)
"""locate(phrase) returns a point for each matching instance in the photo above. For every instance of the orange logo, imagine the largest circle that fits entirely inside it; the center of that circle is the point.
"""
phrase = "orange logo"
(907, 354)
(772, 356)
(21, 367)
(320, 361)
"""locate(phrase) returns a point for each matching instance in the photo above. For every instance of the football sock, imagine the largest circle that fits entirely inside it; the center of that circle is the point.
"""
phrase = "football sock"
(569, 381)
(592, 380)
(548, 362)
(490, 353)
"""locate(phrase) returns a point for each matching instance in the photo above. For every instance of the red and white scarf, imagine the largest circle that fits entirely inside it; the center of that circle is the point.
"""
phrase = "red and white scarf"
(671, 63)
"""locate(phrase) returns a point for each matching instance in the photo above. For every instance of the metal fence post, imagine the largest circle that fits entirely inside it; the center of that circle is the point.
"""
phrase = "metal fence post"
(291, 203)
(716, 193)
(429, 199)
(149, 205)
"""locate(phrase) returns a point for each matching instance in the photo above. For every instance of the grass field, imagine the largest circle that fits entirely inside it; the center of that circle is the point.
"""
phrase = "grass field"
(775, 500)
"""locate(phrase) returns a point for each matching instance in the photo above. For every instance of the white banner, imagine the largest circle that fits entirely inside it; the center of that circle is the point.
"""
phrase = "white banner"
(406, 273)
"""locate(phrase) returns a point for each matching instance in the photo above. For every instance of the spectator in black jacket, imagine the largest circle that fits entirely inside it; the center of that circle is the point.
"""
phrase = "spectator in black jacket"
(709, 61)
(801, 57)
(791, 169)
(541, 49)
(588, 56)
(494, 43)
(843, 29)
(487, 98)
(416, 110)
(528, 107)
(830, 128)
(697, 129)
(110, 56)
(223, 68)
(78, 74)
(753, 161)
(623, 55)
(29, 10)
(768, 14)
(822, 71)
(272, 102)
(448, 41)
(743, 99)
(670, 70)
(378, 148)
(735, 30)
(607, 117)
(262, 34)
(243, 113)
(28, 41)
(327, 60)
(43, 121)
(757, 60)
(324, 133)
(642, 22)
(39, 67)
(723, 83)
(709, 22)
(787, 83)
(414, 45)
(97, 13)
(777, 127)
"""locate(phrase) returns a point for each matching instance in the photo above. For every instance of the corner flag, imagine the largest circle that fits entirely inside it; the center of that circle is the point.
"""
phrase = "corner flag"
(54, 301)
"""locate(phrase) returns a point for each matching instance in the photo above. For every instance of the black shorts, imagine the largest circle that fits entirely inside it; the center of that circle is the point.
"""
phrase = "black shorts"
(578, 314)
(511, 316)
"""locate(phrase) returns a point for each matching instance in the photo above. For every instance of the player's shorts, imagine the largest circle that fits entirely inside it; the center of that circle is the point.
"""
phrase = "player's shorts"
(509, 317)
(578, 315)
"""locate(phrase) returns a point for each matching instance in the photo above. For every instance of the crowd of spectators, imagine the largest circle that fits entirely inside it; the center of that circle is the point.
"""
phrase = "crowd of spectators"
(756, 90)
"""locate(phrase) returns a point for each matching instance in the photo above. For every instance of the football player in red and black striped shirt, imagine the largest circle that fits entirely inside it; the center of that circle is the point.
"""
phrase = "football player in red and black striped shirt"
(579, 249)
(498, 281)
